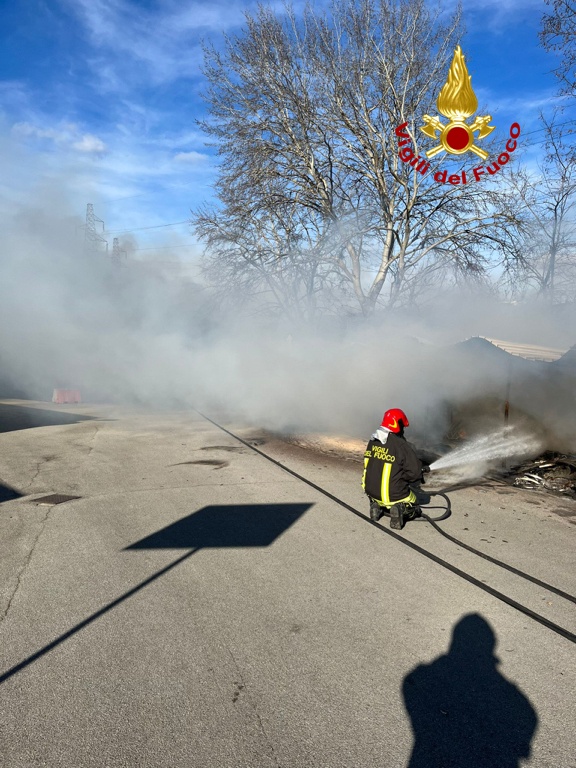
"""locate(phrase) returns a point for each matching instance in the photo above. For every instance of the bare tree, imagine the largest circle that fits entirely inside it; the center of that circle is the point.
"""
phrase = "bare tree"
(558, 35)
(548, 264)
(266, 255)
(311, 186)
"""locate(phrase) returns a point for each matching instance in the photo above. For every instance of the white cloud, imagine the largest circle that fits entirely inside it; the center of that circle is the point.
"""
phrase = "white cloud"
(27, 129)
(191, 158)
(65, 135)
(186, 138)
(522, 108)
(159, 46)
(90, 144)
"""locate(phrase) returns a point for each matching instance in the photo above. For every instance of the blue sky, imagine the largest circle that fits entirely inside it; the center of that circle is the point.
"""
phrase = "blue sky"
(98, 101)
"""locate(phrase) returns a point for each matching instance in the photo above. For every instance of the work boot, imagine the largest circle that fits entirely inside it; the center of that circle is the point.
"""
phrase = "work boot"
(375, 511)
(397, 517)
(412, 512)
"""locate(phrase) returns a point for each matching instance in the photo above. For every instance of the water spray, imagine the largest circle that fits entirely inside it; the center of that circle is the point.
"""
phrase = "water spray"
(496, 445)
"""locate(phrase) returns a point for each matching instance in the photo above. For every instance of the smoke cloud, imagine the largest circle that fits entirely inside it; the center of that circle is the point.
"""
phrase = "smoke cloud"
(69, 319)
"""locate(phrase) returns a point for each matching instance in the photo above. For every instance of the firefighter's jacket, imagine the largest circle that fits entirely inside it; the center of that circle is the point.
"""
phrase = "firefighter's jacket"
(390, 464)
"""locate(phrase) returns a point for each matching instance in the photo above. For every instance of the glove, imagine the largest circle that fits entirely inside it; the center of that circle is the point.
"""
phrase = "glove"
(425, 470)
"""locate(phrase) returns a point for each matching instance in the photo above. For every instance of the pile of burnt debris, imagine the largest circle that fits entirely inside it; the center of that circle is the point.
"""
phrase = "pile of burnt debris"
(551, 472)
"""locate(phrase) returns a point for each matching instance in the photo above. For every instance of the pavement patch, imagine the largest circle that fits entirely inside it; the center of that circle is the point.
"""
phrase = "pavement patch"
(55, 498)
(216, 463)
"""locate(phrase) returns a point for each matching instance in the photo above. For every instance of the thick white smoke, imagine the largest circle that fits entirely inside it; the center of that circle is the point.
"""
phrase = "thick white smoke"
(68, 319)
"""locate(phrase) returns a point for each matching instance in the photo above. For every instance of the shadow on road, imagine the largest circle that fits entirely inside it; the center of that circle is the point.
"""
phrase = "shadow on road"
(226, 526)
(7, 493)
(16, 417)
(463, 710)
(246, 525)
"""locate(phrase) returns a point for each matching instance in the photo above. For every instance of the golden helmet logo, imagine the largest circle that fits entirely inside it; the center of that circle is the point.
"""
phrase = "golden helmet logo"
(457, 102)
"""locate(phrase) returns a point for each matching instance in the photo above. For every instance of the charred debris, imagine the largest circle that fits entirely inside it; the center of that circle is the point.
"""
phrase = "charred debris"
(551, 472)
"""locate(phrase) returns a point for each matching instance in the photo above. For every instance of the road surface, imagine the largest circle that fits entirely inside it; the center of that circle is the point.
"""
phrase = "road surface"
(196, 605)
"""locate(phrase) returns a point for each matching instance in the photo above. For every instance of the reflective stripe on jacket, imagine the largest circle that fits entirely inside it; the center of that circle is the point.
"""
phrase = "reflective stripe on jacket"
(389, 468)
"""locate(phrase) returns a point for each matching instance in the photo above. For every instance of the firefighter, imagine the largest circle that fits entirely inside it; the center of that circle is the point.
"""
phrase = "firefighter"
(390, 465)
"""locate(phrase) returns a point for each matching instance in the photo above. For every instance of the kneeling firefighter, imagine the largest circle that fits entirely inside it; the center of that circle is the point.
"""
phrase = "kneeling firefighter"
(390, 465)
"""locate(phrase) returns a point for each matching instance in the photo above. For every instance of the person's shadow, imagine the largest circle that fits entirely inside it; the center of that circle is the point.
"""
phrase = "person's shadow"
(464, 713)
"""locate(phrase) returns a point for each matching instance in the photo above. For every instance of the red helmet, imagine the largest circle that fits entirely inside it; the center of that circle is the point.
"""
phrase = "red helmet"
(394, 418)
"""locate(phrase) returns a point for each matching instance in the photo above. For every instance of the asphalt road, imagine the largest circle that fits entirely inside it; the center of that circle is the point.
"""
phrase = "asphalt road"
(199, 606)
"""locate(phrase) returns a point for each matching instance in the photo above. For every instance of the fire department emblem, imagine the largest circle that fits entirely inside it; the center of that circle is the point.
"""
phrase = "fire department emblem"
(457, 101)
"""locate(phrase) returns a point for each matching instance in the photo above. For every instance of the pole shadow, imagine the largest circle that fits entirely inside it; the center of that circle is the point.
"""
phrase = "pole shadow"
(224, 526)
(464, 712)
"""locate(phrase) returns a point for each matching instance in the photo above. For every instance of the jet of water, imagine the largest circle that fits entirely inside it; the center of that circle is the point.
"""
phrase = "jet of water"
(496, 445)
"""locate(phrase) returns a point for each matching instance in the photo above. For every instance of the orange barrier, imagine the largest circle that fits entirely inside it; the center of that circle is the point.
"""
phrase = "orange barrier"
(61, 396)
